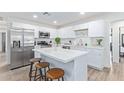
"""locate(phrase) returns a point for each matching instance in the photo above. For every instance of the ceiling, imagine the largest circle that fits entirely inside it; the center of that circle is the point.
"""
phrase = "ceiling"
(62, 18)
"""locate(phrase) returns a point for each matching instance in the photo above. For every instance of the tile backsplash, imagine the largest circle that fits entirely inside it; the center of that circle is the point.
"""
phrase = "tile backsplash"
(82, 42)
(94, 42)
(90, 42)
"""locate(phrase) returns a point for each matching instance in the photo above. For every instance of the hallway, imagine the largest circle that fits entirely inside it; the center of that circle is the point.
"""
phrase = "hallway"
(2, 59)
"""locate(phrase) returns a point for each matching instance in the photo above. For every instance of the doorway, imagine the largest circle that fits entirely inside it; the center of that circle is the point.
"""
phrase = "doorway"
(121, 44)
(3, 48)
(111, 44)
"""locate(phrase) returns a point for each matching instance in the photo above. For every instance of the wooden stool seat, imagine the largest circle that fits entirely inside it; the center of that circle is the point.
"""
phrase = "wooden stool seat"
(42, 65)
(55, 73)
(33, 60)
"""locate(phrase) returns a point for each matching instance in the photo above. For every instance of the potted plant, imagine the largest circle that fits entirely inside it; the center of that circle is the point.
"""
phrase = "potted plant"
(57, 40)
(99, 41)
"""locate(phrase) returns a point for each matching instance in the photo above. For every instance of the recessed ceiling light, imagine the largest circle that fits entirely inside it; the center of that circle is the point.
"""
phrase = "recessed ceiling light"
(82, 13)
(35, 16)
(54, 22)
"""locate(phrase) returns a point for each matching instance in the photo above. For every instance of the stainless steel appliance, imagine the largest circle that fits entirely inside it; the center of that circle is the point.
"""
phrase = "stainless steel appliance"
(22, 43)
(44, 34)
(16, 44)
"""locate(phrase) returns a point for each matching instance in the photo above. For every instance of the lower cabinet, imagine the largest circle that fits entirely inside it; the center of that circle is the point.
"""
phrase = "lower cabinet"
(95, 57)
(37, 55)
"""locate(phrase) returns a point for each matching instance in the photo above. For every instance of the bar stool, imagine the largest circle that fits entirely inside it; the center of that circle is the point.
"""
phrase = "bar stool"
(31, 72)
(41, 66)
(55, 73)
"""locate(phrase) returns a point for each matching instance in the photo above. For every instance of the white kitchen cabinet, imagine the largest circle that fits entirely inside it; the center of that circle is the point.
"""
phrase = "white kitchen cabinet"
(36, 32)
(81, 26)
(53, 33)
(37, 55)
(95, 57)
(66, 32)
(22, 25)
(96, 28)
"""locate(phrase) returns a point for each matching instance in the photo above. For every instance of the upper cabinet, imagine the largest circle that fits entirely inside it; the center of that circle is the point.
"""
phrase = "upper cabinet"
(90, 29)
(96, 28)
(81, 26)
(36, 32)
(81, 33)
(53, 33)
(66, 32)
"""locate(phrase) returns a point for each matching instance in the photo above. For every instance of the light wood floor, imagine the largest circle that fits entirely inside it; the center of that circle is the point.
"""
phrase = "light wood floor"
(116, 73)
(11, 75)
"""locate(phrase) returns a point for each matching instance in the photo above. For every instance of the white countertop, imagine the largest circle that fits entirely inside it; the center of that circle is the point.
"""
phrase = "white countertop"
(87, 47)
(63, 55)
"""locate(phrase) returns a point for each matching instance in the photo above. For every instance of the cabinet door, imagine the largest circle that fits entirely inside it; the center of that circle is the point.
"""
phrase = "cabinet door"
(96, 29)
(37, 55)
(66, 32)
(53, 33)
(81, 26)
(95, 59)
(36, 32)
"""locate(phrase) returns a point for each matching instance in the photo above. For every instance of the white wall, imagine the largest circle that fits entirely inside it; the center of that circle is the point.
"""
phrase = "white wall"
(0, 42)
(107, 46)
(115, 27)
(2, 29)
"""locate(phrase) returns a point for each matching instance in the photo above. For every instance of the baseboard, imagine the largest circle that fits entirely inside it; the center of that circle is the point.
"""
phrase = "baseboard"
(95, 67)
(19, 67)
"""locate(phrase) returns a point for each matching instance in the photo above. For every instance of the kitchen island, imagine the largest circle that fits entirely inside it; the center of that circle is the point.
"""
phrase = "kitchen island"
(73, 62)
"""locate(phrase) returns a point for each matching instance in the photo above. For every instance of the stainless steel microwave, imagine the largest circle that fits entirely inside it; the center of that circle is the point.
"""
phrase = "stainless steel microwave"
(44, 34)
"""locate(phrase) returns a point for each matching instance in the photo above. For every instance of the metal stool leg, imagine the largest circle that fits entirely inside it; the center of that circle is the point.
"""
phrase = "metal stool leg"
(35, 75)
(62, 78)
(48, 68)
(45, 73)
(30, 73)
(41, 73)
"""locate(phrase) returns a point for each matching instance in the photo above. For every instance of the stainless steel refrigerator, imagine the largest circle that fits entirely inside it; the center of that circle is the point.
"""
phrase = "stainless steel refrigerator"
(22, 43)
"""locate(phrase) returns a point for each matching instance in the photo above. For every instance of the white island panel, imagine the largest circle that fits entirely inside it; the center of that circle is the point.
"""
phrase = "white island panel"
(73, 62)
